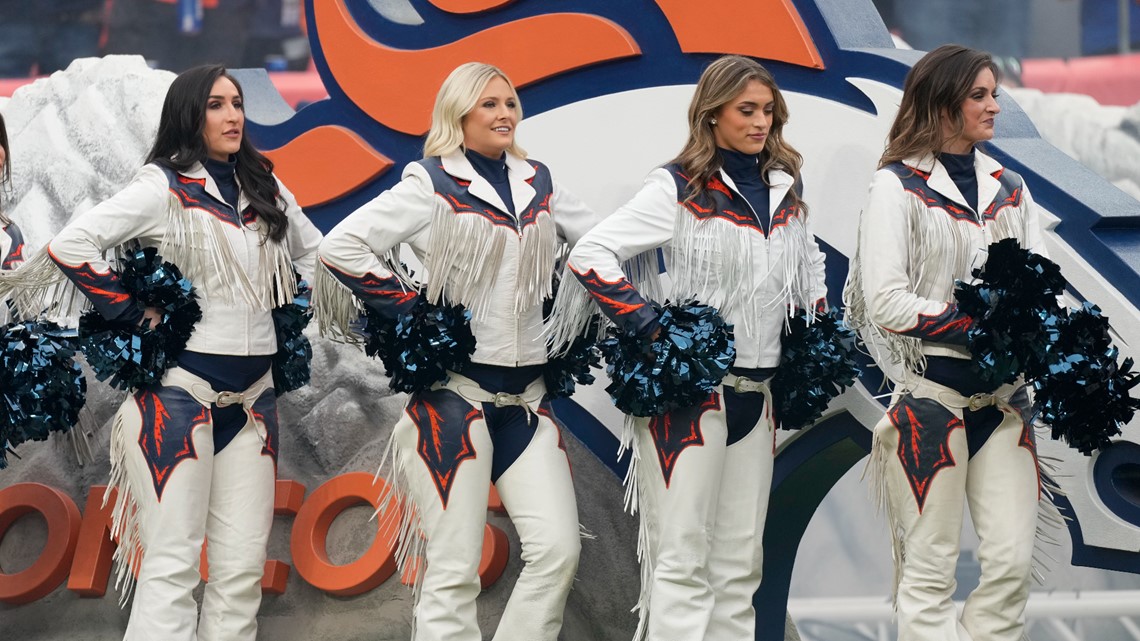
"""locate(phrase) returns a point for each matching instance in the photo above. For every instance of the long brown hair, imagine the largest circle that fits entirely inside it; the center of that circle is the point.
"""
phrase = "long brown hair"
(720, 83)
(936, 86)
(179, 144)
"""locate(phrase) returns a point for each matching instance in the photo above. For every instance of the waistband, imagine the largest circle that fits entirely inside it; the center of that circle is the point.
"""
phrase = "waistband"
(202, 392)
(528, 399)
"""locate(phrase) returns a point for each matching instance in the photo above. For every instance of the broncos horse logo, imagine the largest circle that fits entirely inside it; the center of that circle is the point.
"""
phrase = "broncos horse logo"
(605, 86)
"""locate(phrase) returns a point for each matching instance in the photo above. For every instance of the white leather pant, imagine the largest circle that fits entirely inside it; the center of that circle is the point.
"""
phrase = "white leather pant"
(184, 493)
(703, 505)
(929, 478)
(444, 447)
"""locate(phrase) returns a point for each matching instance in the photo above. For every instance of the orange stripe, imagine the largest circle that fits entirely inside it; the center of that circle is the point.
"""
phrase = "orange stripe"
(397, 87)
(326, 163)
(771, 30)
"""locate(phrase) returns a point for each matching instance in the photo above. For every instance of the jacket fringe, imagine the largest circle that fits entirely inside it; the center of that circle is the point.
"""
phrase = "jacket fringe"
(39, 288)
(335, 308)
(125, 516)
(711, 262)
(938, 245)
(197, 244)
(466, 252)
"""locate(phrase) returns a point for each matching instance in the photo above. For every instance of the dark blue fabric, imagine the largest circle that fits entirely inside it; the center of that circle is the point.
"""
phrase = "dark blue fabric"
(958, 375)
(225, 179)
(494, 171)
(743, 411)
(744, 170)
(226, 373)
(961, 170)
(513, 427)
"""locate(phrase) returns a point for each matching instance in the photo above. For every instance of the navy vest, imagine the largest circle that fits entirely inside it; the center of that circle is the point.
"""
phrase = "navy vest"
(457, 194)
(719, 201)
(914, 181)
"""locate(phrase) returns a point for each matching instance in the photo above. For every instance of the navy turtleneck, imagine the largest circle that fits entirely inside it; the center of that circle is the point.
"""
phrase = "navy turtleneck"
(745, 172)
(494, 171)
(225, 177)
(961, 170)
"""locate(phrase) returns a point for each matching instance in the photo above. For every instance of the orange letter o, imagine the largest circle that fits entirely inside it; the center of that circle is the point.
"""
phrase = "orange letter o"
(311, 528)
(50, 569)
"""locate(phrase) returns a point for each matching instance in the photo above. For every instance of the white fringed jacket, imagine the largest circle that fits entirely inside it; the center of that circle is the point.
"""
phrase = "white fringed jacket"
(717, 254)
(239, 274)
(476, 252)
(917, 237)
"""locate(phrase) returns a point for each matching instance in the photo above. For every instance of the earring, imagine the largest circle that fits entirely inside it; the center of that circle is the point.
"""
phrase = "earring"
(713, 122)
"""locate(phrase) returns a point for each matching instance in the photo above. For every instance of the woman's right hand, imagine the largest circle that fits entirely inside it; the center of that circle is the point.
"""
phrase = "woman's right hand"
(151, 318)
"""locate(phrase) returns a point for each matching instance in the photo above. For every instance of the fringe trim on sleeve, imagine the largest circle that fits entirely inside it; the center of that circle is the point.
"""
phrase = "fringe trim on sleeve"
(198, 245)
(574, 307)
(334, 306)
(40, 288)
(466, 254)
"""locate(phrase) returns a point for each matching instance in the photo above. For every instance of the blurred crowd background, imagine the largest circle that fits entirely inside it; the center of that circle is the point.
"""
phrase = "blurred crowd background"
(38, 37)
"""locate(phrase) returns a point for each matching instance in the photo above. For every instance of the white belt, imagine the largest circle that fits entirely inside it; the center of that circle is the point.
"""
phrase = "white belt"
(204, 394)
(973, 403)
(745, 385)
(529, 399)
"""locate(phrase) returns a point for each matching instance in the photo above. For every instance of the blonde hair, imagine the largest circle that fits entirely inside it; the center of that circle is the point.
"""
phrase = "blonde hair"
(456, 98)
(720, 83)
(936, 85)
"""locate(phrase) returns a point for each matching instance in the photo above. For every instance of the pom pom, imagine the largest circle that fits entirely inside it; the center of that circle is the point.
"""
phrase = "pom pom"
(817, 364)
(42, 387)
(1084, 394)
(136, 357)
(420, 346)
(1015, 311)
(291, 363)
(679, 369)
(562, 372)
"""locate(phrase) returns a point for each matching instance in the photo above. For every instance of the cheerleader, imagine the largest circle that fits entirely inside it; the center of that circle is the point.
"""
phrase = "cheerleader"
(488, 224)
(195, 456)
(947, 440)
(729, 210)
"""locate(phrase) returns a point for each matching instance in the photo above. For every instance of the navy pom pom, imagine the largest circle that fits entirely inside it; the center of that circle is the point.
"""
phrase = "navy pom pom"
(291, 363)
(817, 364)
(1084, 394)
(1015, 311)
(681, 368)
(562, 372)
(1081, 391)
(136, 357)
(420, 346)
(42, 387)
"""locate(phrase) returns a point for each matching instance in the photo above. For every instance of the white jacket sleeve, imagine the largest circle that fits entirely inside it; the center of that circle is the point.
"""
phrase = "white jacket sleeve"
(303, 237)
(572, 216)
(884, 250)
(643, 224)
(353, 249)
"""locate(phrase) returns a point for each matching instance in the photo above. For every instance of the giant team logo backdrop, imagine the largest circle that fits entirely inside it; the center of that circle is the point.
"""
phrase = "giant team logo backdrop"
(605, 86)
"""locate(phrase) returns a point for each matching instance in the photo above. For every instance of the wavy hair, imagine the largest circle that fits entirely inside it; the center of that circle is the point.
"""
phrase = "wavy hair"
(456, 98)
(5, 169)
(180, 144)
(935, 87)
(719, 85)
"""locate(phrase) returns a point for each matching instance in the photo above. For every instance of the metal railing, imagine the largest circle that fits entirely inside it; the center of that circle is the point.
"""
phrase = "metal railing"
(1050, 616)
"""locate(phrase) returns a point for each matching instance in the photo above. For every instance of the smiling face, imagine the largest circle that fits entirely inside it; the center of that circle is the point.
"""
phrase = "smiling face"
(225, 120)
(489, 128)
(978, 112)
(743, 123)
